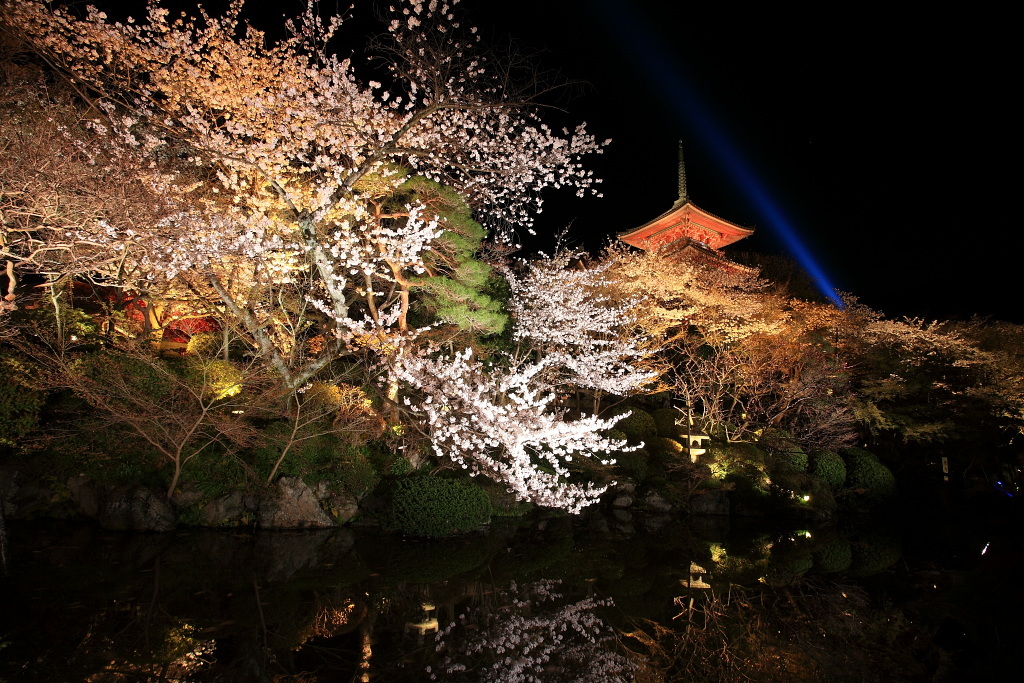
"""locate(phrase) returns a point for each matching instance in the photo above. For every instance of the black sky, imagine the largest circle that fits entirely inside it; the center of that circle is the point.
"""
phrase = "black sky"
(884, 135)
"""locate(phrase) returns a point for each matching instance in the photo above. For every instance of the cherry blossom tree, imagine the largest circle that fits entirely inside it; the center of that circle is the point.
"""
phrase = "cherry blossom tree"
(269, 156)
(568, 317)
(744, 357)
(498, 421)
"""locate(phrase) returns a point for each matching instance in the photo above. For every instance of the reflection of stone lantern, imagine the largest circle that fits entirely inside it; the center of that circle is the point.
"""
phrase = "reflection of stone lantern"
(427, 625)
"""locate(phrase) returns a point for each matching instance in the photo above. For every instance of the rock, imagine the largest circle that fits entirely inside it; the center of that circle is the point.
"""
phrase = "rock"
(622, 516)
(340, 504)
(622, 501)
(654, 523)
(710, 503)
(86, 494)
(343, 506)
(291, 505)
(33, 499)
(655, 503)
(626, 487)
(226, 510)
(135, 508)
(185, 497)
(599, 524)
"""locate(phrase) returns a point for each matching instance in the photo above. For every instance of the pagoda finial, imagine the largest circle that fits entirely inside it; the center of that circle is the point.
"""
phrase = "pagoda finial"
(683, 196)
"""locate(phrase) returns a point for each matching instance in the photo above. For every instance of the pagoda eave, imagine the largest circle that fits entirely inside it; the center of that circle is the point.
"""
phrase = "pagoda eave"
(683, 221)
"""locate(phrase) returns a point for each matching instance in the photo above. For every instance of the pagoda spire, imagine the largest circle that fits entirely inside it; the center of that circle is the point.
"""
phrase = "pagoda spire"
(684, 197)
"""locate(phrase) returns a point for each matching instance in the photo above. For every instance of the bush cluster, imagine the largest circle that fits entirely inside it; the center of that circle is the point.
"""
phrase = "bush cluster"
(669, 449)
(789, 456)
(434, 507)
(873, 554)
(835, 556)
(633, 464)
(829, 466)
(864, 472)
(638, 427)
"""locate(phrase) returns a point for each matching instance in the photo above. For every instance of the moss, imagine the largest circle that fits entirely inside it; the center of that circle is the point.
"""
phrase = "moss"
(829, 466)
(435, 507)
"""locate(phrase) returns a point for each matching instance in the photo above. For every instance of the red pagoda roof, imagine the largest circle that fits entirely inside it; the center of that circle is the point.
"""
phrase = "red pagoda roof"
(684, 222)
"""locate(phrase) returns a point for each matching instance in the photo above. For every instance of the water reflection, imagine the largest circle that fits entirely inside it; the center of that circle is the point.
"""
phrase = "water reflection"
(550, 602)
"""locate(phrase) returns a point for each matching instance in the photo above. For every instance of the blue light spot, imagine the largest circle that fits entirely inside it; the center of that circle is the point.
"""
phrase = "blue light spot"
(659, 67)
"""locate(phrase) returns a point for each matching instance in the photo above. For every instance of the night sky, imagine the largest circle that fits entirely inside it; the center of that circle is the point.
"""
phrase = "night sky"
(880, 136)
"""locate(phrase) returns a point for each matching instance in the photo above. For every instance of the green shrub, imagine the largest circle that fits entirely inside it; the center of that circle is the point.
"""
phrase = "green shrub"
(874, 553)
(434, 507)
(639, 427)
(790, 457)
(503, 503)
(803, 491)
(665, 420)
(830, 467)
(214, 473)
(833, 557)
(633, 464)
(868, 476)
(663, 446)
(20, 405)
(207, 344)
(740, 452)
(616, 434)
(783, 571)
(749, 484)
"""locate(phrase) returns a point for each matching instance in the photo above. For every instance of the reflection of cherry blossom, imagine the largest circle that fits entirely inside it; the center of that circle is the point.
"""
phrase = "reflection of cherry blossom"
(531, 638)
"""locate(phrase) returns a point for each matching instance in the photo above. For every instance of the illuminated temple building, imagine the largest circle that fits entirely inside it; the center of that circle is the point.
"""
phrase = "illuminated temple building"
(686, 230)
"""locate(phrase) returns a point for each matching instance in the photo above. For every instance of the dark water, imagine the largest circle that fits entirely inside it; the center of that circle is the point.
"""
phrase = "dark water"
(559, 600)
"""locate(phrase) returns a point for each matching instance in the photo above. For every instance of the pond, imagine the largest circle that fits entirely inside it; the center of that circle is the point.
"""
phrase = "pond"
(592, 599)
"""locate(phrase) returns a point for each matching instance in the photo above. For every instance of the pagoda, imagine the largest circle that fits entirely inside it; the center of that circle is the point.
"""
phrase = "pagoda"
(685, 228)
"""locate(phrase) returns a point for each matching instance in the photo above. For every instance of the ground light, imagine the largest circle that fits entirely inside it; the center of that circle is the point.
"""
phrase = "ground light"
(655, 62)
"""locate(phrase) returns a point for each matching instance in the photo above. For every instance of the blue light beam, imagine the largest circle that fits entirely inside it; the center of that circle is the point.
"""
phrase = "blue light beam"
(654, 61)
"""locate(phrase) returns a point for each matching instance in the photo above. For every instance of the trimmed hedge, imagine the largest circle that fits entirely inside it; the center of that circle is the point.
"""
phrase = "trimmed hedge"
(638, 427)
(865, 472)
(434, 507)
(835, 556)
(790, 457)
(830, 467)
(873, 554)
(666, 447)
(633, 464)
